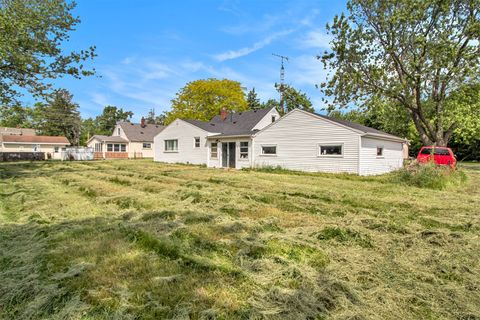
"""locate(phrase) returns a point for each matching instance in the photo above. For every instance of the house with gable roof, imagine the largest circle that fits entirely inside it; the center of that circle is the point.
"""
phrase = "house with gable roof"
(128, 140)
(299, 140)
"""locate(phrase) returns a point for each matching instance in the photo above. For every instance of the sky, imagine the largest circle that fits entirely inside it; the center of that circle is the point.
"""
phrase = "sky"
(148, 50)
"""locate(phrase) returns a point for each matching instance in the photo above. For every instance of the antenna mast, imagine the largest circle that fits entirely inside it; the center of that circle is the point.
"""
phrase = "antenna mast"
(282, 78)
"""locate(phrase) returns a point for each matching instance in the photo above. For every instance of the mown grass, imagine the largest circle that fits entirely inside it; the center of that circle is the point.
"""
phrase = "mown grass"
(142, 240)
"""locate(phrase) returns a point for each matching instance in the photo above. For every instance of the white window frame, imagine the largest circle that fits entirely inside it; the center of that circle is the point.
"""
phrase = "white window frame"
(123, 147)
(268, 154)
(195, 142)
(240, 153)
(147, 143)
(216, 150)
(55, 149)
(118, 131)
(330, 144)
(110, 146)
(165, 146)
(274, 118)
(383, 152)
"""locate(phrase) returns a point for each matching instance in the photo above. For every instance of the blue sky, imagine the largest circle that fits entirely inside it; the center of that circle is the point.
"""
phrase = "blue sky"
(148, 50)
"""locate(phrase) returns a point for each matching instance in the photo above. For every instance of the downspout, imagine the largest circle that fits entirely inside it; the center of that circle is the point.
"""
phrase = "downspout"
(359, 154)
(253, 152)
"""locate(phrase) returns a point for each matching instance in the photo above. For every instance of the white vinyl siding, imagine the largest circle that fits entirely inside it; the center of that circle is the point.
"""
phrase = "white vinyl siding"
(391, 159)
(298, 136)
(184, 133)
(267, 119)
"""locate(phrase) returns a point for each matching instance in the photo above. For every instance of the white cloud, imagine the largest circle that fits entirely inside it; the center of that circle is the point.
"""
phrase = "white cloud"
(233, 54)
(316, 39)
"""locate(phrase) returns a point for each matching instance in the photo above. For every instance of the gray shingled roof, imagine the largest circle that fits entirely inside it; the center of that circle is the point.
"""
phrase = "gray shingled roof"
(359, 127)
(108, 138)
(239, 123)
(136, 133)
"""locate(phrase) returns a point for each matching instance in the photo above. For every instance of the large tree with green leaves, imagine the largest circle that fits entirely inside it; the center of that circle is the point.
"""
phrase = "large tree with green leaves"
(293, 99)
(32, 33)
(203, 99)
(253, 101)
(415, 54)
(104, 123)
(60, 117)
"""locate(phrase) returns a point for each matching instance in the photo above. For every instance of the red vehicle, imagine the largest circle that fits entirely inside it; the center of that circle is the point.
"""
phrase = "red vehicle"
(441, 156)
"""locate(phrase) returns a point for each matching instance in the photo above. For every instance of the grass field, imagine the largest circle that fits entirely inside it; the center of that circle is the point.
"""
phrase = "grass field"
(142, 240)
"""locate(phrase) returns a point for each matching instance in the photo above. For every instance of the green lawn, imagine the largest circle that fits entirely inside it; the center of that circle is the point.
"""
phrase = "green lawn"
(141, 240)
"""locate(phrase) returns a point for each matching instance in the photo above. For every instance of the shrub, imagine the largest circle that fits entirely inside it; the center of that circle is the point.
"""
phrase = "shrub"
(429, 175)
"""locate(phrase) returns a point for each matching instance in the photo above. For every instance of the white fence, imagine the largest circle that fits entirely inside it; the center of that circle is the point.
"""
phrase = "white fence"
(78, 153)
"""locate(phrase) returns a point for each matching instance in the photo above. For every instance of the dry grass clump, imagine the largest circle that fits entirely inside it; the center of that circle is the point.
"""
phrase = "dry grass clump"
(429, 175)
(137, 239)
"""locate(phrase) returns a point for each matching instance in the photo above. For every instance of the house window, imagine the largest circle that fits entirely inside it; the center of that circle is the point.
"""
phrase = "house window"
(109, 147)
(118, 131)
(171, 145)
(36, 148)
(98, 147)
(123, 147)
(55, 149)
(244, 150)
(274, 118)
(116, 147)
(331, 150)
(379, 151)
(269, 150)
(214, 150)
(147, 145)
(197, 142)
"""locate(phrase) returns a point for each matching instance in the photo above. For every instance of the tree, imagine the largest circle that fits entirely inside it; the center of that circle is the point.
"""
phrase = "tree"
(60, 117)
(203, 99)
(271, 103)
(293, 99)
(253, 101)
(152, 118)
(32, 34)
(412, 53)
(106, 122)
(16, 116)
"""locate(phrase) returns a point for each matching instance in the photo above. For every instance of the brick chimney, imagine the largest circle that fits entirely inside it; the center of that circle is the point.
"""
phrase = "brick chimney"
(223, 114)
(142, 122)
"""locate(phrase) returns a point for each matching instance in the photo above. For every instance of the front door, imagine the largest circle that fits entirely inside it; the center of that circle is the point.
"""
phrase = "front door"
(228, 154)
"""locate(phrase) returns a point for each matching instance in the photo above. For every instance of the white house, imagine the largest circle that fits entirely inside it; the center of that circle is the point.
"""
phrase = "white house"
(311, 142)
(224, 141)
(128, 140)
(299, 140)
(26, 140)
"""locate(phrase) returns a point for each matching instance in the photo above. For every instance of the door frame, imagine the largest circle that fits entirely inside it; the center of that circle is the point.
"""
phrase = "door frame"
(228, 156)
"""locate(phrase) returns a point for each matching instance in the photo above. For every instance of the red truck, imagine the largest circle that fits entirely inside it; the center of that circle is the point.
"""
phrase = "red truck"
(441, 156)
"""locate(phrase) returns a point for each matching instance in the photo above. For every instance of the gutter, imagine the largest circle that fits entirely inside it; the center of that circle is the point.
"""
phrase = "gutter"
(380, 136)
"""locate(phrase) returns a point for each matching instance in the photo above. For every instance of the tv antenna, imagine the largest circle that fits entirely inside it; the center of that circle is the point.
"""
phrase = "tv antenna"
(282, 78)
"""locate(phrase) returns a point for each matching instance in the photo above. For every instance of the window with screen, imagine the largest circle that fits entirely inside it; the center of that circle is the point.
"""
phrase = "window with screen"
(110, 147)
(197, 142)
(171, 145)
(331, 150)
(379, 151)
(147, 145)
(269, 150)
(244, 150)
(214, 150)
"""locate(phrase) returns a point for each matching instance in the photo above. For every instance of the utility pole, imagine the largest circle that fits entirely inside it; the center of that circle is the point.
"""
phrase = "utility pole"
(282, 79)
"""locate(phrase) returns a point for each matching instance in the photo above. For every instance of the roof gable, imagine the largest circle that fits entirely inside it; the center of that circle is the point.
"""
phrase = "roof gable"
(35, 139)
(355, 127)
(235, 124)
(135, 132)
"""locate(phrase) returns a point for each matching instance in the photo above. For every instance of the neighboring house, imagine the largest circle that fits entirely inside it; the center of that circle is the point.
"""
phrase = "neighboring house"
(128, 140)
(224, 141)
(299, 141)
(51, 146)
